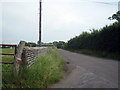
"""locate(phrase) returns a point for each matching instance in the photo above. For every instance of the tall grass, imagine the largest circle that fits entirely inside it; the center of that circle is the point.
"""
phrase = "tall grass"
(47, 70)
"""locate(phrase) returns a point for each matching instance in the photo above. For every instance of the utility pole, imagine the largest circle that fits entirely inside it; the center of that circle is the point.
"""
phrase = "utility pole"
(119, 6)
(40, 23)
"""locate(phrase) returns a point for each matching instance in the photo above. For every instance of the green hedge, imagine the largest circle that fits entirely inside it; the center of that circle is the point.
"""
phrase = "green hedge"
(106, 39)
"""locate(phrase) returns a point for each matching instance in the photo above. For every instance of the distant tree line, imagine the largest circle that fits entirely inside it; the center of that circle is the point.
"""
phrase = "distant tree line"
(59, 44)
(30, 44)
(105, 39)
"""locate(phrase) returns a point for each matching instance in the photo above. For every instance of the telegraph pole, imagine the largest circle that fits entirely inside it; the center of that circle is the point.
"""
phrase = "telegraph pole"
(40, 23)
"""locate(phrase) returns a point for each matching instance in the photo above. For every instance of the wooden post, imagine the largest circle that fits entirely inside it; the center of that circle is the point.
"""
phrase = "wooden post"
(40, 25)
(18, 55)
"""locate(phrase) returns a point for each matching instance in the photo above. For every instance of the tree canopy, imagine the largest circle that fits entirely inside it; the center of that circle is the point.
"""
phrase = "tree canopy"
(115, 16)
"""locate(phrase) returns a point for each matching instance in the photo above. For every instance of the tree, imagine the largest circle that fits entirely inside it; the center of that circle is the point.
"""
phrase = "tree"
(55, 43)
(59, 44)
(115, 16)
(30, 44)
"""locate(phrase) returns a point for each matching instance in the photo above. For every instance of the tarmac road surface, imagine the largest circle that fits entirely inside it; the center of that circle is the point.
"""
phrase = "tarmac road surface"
(83, 71)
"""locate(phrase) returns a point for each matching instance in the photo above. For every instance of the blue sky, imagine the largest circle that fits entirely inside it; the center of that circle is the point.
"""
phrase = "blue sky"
(61, 19)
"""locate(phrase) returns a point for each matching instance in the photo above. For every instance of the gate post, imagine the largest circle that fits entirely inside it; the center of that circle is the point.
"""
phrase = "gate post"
(18, 55)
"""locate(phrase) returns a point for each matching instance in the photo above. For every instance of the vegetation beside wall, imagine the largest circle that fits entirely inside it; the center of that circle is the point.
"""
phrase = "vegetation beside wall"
(47, 70)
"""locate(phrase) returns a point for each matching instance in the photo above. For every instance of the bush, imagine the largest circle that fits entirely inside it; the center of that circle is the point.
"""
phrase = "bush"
(105, 39)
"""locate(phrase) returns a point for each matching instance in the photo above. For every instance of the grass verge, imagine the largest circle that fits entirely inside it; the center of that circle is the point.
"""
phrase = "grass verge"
(47, 70)
(103, 54)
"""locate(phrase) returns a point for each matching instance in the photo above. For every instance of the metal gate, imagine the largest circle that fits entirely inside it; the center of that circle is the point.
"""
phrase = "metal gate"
(13, 54)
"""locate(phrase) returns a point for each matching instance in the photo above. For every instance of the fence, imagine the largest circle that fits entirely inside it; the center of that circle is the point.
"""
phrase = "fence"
(17, 55)
(24, 56)
(4, 45)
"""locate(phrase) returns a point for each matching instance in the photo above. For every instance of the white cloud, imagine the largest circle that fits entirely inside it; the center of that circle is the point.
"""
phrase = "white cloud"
(60, 14)
(67, 17)
(19, 0)
(67, 1)
(20, 20)
(105, 0)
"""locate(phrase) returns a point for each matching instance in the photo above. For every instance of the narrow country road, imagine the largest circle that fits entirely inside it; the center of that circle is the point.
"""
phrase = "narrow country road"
(85, 71)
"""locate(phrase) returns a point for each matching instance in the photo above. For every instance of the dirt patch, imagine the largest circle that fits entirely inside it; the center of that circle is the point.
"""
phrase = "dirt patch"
(68, 68)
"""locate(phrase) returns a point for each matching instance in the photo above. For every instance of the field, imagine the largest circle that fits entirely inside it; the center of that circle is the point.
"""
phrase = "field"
(47, 70)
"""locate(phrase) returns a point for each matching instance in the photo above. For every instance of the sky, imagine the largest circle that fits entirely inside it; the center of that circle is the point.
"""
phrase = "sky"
(61, 19)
